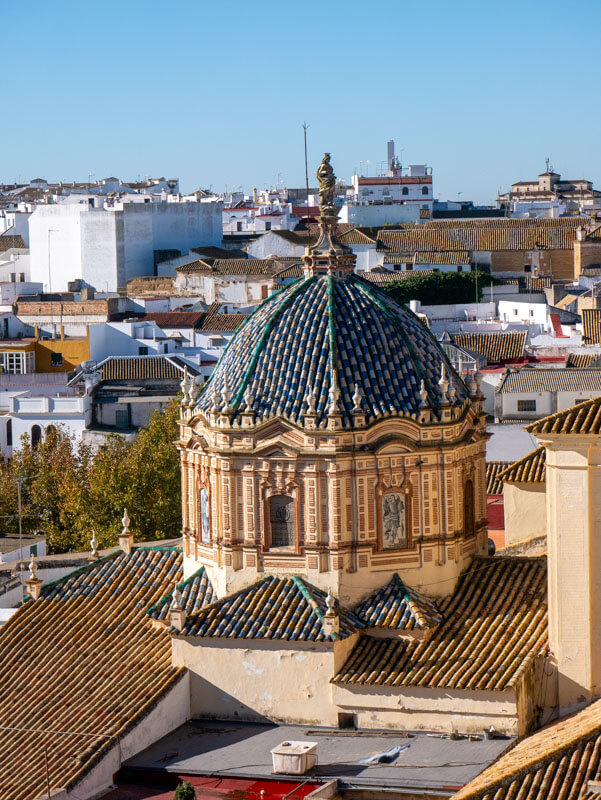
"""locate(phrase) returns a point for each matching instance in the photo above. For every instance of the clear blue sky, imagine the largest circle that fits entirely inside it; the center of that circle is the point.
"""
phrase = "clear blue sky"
(216, 92)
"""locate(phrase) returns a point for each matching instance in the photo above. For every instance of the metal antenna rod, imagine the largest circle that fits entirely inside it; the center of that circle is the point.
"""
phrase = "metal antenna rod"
(305, 126)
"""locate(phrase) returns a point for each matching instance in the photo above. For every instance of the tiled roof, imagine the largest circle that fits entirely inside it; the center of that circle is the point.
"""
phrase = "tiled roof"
(496, 346)
(483, 235)
(534, 380)
(555, 763)
(359, 236)
(457, 257)
(125, 368)
(584, 418)
(274, 608)
(293, 343)
(174, 319)
(494, 485)
(530, 284)
(591, 325)
(294, 271)
(83, 658)
(8, 242)
(529, 469)
(583, 360)
(475, 647)
(196, 593)
(383, 276)
(232, 266)
(216, 321)
(398, 606)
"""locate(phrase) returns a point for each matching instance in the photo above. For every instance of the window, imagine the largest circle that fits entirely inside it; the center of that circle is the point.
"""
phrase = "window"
(56, 359)
(527, 267)
(268, 226)
(36, 435)
(469, 516)
(239, 227)
(142, 350)
(281, 517)
(405, 190)
(9, 433)
(122, 419)
(424, 190)
(526, 405)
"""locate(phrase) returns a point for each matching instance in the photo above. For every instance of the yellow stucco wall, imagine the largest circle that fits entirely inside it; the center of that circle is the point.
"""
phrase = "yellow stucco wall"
(73, 351)
(525, 506)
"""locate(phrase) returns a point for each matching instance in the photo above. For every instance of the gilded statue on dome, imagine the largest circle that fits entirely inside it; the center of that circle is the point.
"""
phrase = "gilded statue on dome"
(327, 182)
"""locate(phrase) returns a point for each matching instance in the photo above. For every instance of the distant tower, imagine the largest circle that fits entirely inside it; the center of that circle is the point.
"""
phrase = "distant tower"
(390, 154)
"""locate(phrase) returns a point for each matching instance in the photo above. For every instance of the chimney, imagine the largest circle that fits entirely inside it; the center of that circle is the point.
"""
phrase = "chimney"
(126, 537)
(573, 489)
(331, 621)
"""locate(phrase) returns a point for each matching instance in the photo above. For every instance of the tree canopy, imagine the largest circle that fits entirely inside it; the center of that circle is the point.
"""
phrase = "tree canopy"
(68, 491)
(439, 288)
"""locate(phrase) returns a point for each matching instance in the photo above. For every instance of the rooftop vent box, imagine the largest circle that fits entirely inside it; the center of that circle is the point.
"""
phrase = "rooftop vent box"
(294, 758)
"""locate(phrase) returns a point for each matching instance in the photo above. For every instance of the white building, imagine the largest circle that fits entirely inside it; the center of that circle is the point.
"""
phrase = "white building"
(531, 393)
(102, 245)
(276, 216)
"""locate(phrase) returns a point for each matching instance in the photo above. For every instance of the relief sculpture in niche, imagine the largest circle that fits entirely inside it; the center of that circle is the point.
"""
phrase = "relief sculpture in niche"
(394, 529)
(205, 535)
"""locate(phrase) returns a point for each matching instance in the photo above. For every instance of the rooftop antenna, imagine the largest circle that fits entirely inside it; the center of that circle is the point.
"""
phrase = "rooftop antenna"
(547, 160)
(305, 126)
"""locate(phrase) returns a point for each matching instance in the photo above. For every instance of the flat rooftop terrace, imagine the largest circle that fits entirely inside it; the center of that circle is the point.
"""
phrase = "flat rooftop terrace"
(243, 750)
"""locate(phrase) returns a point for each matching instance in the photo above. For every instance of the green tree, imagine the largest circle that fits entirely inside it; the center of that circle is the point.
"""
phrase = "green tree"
(437, 288)
(184, 791)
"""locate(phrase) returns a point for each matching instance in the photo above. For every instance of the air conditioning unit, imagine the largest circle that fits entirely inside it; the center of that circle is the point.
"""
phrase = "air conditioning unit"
(294, 758)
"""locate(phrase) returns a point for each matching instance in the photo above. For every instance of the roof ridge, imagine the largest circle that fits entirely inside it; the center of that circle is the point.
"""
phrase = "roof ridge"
(505, 475)
(541, 425)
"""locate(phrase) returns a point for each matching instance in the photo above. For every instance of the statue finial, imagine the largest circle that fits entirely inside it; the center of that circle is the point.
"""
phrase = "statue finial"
(327, 185)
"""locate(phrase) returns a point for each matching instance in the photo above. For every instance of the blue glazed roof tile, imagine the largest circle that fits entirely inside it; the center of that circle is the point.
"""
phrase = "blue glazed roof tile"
(274, 608)
(196, 592)
(398, 606)
(296, 340)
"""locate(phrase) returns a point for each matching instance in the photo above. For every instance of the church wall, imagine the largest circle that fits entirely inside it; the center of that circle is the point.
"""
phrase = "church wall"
(259, 680)
(525, 507)
(417, 708)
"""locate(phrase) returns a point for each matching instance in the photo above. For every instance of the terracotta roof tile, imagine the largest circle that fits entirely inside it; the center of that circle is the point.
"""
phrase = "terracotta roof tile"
(474, 647)
(583, 360)
(175, 319)
(535, 379)
(584, 418)
(529, 469)
(495, 347)
(483, 235)
(8, 242)
(84, 657)
(232, 266)
(555, 763)
(399, 607)
(591, 325)
(125, 368)
(274, 608)
(494, 485)
(457, 257)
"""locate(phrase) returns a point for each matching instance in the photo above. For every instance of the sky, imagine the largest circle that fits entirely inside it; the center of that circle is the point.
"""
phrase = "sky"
(216, 93)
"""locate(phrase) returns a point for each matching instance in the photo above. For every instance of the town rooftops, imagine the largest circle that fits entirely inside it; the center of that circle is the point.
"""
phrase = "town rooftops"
(583, 418)
(494, 626)
(529, 469)
(83, 659)
(137, 368)
(484, 235)
(497, 346)
(555, 763)
(529, 380)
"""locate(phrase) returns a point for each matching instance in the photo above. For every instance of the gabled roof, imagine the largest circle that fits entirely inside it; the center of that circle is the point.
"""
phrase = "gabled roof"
(529, 469)
(84, 657)
(495, 625)
(125, 368)
(494, 485)
(233, 266)
(456, 257)
(530, 380)
(359, 236)
(8, 242)
(584, 418)
(555, 763)
(174, 319)
(398, 606)
(495, 346)
(274, 608)
(196, 593)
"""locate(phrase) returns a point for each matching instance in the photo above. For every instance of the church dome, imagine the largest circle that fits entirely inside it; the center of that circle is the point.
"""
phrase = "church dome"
(337, 343)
